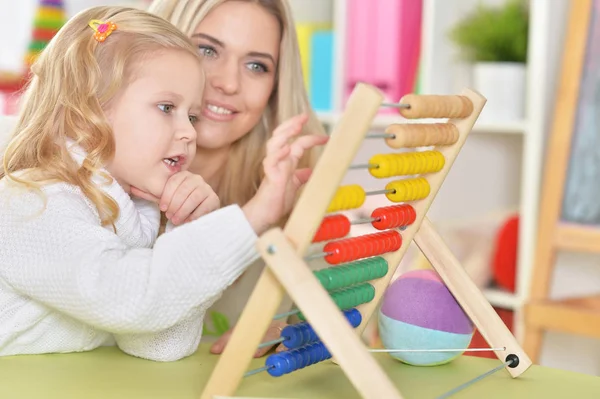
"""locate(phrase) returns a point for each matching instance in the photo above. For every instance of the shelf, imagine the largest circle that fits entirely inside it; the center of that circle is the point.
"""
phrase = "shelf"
(579, 316)
(382, 121)
(577, 238)
(502, 299)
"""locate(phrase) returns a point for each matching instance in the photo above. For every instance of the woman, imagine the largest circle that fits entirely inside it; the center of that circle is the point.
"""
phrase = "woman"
(254, 83)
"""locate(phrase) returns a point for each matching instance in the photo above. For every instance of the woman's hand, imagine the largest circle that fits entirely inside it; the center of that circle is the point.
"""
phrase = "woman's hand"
(273, 333)
(277, 192)
(186, 197)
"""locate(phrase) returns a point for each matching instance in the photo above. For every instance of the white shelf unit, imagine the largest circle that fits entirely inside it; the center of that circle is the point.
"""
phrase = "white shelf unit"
(514, 149)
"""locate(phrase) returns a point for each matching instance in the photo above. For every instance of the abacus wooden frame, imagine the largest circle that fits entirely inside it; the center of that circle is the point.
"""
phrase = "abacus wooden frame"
(286, 270)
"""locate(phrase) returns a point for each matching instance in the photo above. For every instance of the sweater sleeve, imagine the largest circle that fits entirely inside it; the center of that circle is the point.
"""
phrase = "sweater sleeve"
(139, 219)
(64, 259)
(171, 344)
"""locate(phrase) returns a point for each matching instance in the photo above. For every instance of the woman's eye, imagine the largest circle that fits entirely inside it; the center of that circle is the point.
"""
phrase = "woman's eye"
(207, 51)
(166, 108)
(257, 67)
(193, 119)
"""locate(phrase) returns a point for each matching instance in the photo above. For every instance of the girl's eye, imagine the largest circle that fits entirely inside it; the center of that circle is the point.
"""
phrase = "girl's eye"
(193, 119)
(166, 108)
(257, 67)
(207, 51)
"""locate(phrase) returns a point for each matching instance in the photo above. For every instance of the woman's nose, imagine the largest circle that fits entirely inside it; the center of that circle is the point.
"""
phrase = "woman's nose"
(226, 77)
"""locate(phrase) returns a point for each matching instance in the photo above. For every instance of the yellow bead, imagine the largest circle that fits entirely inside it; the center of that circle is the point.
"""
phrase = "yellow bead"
(408, 189)
(408, 163)
(347, 197)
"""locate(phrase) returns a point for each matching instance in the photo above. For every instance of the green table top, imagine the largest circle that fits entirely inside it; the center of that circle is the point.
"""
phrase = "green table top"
(107, 373)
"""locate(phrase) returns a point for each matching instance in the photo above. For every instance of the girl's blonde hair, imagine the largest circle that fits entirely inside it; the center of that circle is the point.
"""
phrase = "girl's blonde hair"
(244, 172)
(72, 80)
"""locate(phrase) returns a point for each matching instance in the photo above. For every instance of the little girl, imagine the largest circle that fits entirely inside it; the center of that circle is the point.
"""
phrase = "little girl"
(110, 111)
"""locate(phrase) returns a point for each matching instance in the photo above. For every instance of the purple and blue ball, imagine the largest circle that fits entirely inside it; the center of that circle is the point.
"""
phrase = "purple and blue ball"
(419, 312)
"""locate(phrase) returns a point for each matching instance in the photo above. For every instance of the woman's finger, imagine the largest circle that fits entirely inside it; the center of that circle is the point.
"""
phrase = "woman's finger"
(276, 142)
(295, 120)
(272, 333)
(273, 160)
(303, 175)
(301, 144)
(284, 132)
(219, 345)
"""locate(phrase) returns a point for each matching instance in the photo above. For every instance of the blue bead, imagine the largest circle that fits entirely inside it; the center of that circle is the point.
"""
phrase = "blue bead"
(276, 364)
(353, 316)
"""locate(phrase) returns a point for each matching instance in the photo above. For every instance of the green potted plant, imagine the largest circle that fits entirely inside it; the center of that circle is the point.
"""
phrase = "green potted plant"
(493, 39)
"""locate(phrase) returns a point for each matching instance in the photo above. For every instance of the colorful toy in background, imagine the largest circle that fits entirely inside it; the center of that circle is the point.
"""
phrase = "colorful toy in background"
(50, 17)
(419, 312)
(505, 257)
(383, 41)
(383, 46)
(316, 52)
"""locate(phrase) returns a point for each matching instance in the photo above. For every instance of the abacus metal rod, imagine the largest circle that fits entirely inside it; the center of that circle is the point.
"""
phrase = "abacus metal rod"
(508, 362)
(380, 136)
(395, 105)
(365, 220)
(438, 350)
(256, 371)
(281, 339)
(286, 314)
(364, 166)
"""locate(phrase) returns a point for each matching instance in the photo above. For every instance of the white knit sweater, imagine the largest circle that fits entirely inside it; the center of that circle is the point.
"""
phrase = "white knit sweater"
(67, 284)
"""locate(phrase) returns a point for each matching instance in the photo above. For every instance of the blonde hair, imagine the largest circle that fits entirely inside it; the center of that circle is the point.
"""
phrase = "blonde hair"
(72, 80)
(244, 172)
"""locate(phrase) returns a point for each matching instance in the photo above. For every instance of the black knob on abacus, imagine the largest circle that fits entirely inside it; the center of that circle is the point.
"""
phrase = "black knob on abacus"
(513, 359)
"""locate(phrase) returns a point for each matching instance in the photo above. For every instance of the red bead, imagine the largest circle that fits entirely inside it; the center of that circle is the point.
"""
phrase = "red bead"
(354, 248)
(332, 227)
(390, 217)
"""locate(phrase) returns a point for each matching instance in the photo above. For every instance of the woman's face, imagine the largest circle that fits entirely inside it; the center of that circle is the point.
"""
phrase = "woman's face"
(240, 45)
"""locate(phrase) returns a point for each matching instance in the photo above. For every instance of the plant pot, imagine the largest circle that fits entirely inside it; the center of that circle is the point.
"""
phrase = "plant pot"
(503, 84)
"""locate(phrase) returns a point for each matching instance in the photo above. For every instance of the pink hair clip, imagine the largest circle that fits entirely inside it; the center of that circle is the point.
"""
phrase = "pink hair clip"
(102, 29)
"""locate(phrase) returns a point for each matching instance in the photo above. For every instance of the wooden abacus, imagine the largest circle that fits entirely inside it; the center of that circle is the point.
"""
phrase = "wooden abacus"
(320, 296)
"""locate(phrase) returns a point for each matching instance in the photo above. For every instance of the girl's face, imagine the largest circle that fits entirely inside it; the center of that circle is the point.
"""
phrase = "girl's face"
(240, 45)
(153, 119)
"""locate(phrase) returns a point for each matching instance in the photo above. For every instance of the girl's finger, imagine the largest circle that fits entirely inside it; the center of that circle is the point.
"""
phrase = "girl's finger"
(181, 196)
(193, 209)
(172, 185)
(143, 195)
(194, 200)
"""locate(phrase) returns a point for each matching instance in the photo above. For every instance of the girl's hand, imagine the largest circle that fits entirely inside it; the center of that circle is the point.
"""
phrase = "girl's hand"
(277, 192)
(273, 332)
(186, 197)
